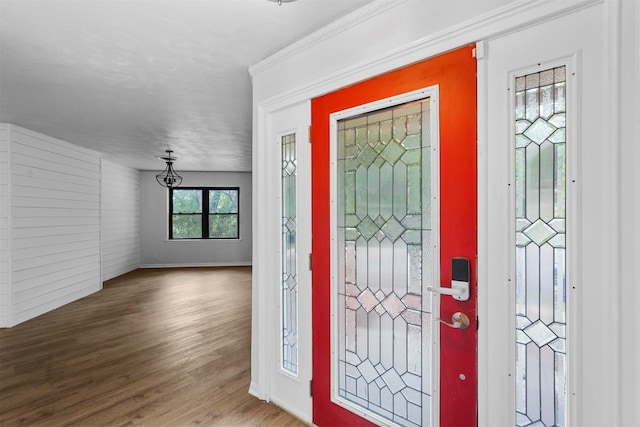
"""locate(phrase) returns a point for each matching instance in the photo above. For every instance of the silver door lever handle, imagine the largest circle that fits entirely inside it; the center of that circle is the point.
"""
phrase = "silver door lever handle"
(459, 321)
(445, 291)
(459, 290)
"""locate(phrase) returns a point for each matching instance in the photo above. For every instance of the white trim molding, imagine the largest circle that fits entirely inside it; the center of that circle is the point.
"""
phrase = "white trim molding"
(611, 229)
(204, 264)
(336, 27)
(515, 15)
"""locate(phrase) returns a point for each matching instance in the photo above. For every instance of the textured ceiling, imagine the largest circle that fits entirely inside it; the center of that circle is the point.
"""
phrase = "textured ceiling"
(133, 78)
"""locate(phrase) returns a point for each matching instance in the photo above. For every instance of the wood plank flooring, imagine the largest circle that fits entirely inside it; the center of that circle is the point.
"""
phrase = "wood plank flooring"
(155, 347)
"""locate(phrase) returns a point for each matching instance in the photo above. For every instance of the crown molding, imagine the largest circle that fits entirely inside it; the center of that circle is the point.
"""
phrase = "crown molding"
(336, 27)
(508, 18)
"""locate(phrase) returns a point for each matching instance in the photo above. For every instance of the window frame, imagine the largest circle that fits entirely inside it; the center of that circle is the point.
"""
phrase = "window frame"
(205, 213)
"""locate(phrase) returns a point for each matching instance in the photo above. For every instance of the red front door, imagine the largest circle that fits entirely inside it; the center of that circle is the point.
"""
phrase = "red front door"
(373, 380)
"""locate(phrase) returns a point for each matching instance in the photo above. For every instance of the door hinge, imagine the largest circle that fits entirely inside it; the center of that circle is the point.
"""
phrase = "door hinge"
(310, 262)
(309, 134)
(310, 388)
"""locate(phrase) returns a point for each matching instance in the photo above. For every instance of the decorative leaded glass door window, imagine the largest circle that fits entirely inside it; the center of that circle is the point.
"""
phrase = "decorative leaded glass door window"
(385, 237)
(289, 289)
(540, 224)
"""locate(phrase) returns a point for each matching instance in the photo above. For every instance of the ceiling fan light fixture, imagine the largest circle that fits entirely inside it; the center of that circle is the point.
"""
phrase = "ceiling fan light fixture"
(169, 177)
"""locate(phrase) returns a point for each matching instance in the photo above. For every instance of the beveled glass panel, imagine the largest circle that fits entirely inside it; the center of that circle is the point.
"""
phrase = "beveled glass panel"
(546, 284)
(349, 205)
(546, 180)
(559, 282)
(373, 263)
(386, 266)
(399, 126)
(559, 96)
(362, 137)
(414, 124)
(386, 191)
(373, 191)
(532, 188)
(539, 130)
(521, 281)
(532, 104)
(289, 286)
(547, 389)
(521, 392)
(341, 144)
(533, 381)
(427, 208)
(386, 130)
(540, 254)
(559, 203)
(560, 381)
(414, 189)
(532, 286)
(520, 183)
(400, 190)
(361, 192)
(558, 136)
(546, 101)
(374, 132)
(381, 332)
(520, 105)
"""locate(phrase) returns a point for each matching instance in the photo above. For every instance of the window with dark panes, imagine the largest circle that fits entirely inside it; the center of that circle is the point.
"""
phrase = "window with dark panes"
(204, 213)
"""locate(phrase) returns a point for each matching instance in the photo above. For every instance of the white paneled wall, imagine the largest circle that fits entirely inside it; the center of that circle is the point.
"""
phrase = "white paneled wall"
(120, 219)
(54, 223)
(5, 268)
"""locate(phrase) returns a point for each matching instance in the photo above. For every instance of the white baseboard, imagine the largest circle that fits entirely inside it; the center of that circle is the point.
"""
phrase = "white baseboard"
(209, 264)
(254, 390)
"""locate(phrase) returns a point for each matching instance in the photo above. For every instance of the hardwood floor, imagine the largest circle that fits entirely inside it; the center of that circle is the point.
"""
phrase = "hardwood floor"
(156, 347)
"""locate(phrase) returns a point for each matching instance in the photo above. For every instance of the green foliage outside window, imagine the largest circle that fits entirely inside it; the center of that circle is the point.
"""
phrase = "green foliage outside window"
(218, 219)
(223, 226)
(187, 226)
(187, 201)
(223, 201)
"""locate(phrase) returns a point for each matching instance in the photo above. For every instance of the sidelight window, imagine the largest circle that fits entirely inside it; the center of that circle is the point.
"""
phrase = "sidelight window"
(540, 224)
(289, 290)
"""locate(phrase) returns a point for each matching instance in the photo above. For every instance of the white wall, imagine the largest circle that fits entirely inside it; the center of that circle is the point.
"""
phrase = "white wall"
(630, 209)
(155, 248)
(5, 267)
(54, 227)
(120, 219)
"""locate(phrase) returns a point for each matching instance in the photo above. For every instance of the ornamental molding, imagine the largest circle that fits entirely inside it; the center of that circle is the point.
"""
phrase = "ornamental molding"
(336, 27)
